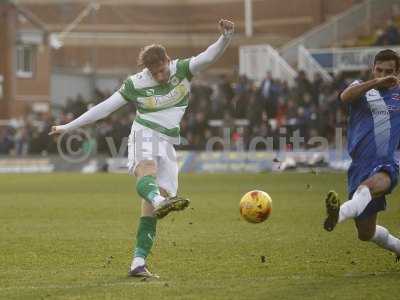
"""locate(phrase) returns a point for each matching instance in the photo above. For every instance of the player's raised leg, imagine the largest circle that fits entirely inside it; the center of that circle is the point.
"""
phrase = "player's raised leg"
(167, 178)
(147, 187)
(367, 201)
(146, 183)
(350, 209)
(366, 225)
(373, 187)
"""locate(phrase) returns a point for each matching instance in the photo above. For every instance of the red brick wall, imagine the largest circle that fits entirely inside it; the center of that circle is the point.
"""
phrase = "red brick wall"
(125, 58)
(8, 19)
(270, 16)
(286, 19)
(19, 94)
(39, 84)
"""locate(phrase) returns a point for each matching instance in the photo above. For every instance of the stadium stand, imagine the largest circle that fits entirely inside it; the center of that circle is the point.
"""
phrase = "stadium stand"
(310, 107)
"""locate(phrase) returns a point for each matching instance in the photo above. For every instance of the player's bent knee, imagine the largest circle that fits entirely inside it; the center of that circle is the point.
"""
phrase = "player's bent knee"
(378, 184)
(146, 167)
(365, 236)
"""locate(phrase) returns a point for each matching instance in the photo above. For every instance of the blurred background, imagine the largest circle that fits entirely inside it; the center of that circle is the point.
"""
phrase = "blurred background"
(282, 73)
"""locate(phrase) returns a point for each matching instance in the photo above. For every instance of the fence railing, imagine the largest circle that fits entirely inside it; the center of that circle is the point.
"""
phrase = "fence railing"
(346, 59)
(256, 60)
(360, 18)
(310, 66)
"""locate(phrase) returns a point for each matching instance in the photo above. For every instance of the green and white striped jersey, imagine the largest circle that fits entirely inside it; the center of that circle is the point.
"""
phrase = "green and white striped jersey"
(160, 107)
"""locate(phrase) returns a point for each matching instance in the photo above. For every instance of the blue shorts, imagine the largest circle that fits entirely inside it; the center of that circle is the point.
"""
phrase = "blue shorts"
(360, 171)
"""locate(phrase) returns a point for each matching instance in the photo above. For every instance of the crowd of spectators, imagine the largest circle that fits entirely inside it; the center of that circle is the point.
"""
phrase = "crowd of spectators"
(238, 112)
(271, 109)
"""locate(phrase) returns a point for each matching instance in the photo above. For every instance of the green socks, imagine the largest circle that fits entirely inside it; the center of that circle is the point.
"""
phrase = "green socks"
(147, 188)
(145, 236)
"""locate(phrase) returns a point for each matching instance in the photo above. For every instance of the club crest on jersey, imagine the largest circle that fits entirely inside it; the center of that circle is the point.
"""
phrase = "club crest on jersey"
(373, 93)
(174, 80)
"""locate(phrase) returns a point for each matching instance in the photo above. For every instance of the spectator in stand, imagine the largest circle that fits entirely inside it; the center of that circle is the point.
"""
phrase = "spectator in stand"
(6, 140)
(316, 89)
(381, 38)
(268, 95)
(390, 36)
(243, 93)
(303, 85)
(265, 87)
(255, 108)
(392, 33)
(227, 90)
(281, 112)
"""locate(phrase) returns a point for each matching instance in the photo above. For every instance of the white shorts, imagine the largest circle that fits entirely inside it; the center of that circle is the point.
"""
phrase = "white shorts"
(147, 144)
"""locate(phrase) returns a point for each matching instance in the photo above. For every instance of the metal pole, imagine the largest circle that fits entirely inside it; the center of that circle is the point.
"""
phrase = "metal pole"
(336, 31)
(93, 54)
(248, 17)
(368, 17)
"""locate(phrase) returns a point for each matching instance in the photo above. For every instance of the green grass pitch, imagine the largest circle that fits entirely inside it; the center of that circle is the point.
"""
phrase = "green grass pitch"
(70, 236)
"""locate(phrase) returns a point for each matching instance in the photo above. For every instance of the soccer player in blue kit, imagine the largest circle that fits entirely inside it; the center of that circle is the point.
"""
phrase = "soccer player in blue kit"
(373, 137)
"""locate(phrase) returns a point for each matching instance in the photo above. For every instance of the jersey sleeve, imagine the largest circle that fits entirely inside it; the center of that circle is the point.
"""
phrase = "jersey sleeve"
(355, 103)
(183, 68)
(355, 82)
(127, 90)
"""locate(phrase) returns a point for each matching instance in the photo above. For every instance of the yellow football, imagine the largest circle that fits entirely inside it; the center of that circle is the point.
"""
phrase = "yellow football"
(255, 206)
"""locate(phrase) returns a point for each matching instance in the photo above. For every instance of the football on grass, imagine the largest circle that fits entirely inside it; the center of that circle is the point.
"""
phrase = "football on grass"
(255, 206)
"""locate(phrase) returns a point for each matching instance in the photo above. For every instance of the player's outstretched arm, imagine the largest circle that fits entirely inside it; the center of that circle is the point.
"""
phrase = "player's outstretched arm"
(356, 91)
(208, 57)
(97, 112)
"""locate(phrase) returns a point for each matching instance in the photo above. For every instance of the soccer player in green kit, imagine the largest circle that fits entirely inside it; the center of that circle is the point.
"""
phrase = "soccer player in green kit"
(161, 93)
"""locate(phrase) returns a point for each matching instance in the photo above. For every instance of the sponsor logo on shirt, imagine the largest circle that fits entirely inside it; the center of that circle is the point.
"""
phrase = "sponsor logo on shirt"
(373, 93)
(379, 109)
(164, 101)
(149, 92)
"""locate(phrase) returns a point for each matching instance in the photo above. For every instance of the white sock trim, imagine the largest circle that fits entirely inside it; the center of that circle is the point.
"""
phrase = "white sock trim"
(137, 262)
(385, 240)
(157, 200)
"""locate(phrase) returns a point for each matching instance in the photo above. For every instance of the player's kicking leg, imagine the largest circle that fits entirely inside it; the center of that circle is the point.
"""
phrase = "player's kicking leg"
(351, 209)
(154, 198)
(337, 213)
(147, 187)
(367, 200)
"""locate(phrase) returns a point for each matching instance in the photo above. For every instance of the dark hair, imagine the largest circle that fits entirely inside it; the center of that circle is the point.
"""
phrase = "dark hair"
(152, 55)
(386, 55)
